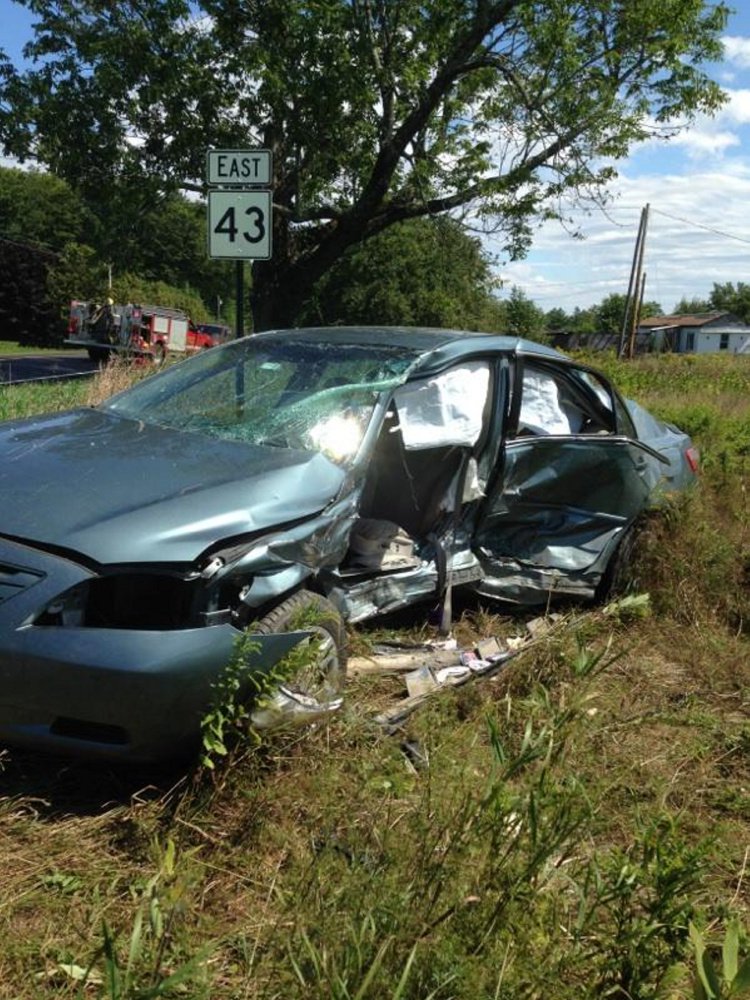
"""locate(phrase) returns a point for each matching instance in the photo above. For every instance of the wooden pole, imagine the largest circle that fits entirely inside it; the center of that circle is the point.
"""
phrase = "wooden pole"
(639, 286)
(631, 292)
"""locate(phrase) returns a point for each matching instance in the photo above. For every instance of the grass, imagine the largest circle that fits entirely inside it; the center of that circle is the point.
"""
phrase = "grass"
(561, 828)
(9, 348)
(18, 401)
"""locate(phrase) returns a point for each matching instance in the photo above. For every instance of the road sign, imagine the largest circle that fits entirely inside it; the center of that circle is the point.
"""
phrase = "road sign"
(239, 224)
(239, 166)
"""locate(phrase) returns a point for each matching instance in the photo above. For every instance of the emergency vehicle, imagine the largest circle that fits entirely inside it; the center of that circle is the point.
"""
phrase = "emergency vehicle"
(137, 330)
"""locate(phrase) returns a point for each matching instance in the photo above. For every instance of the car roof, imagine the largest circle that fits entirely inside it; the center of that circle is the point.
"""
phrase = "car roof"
(431, 349)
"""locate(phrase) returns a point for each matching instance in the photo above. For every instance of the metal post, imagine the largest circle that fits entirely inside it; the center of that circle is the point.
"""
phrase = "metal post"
(240, 277)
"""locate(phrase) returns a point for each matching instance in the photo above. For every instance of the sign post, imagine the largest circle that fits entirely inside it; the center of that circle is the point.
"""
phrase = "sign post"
(240, 212)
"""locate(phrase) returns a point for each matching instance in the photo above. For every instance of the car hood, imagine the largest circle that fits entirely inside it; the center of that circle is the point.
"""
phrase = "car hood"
(117, 490)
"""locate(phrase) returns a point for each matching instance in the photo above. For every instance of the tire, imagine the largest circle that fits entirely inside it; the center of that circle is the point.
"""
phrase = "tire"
(616, 578)
(314, 690)
(98, 354)
(159, 354)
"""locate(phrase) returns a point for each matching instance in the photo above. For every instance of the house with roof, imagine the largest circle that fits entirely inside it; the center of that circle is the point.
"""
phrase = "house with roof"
(697, 333)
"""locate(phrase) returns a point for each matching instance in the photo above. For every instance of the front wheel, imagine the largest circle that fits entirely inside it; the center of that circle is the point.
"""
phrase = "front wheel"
(311, 679)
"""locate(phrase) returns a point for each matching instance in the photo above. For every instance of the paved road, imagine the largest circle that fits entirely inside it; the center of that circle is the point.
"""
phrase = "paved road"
(28, 367)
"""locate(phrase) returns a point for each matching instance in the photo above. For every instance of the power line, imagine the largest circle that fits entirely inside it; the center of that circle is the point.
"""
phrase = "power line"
(699, 225)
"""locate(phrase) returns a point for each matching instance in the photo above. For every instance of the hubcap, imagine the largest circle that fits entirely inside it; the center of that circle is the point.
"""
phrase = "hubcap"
(311, 693)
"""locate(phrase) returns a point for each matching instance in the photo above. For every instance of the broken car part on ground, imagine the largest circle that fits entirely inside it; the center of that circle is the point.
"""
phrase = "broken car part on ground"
(347, 472)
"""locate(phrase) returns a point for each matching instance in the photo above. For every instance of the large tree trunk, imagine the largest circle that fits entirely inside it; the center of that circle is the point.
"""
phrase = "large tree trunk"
(277, 295)
(282, 285)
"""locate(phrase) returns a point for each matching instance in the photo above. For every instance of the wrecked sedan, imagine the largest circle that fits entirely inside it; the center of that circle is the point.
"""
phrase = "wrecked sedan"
(329, 473)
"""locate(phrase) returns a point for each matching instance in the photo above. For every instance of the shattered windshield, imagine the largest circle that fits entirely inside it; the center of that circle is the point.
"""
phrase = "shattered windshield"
(267, 391)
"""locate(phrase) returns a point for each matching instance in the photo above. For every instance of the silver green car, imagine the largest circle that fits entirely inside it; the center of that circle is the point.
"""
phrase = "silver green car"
(347, 471)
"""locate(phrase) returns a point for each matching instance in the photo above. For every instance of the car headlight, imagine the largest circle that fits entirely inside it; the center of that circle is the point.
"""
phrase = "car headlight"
(67, 610)
(137, 600)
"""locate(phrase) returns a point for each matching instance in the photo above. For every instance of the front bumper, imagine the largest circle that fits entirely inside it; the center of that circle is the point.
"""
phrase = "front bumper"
(124, 694)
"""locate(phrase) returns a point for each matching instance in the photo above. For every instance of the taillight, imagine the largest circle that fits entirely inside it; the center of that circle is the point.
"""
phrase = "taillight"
(692, 457)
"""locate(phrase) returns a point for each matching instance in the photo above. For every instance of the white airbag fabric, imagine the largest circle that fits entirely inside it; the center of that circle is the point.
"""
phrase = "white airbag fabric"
(444, 410)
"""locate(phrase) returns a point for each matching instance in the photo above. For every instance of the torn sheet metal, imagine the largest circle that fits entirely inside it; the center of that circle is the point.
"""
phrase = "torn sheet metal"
(554, 520)
(361, 597)
(364, 598)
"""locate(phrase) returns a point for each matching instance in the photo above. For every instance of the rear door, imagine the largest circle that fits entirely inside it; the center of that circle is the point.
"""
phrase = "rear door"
(570, 476)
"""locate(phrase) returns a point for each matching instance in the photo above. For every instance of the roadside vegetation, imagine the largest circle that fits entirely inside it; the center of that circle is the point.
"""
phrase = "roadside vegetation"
(576, 827)
(9, 348)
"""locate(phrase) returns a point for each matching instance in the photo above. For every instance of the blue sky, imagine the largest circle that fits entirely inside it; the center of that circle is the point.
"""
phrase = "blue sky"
(698, 187)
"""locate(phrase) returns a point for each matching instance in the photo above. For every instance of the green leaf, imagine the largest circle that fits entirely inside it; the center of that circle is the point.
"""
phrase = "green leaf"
(741, 981)
(708, 977)
(184, 972)
(314, 76)
(405, 974)
(134, 950)
(730, 950)
(79, 974)
(373, 970)
(709, 986)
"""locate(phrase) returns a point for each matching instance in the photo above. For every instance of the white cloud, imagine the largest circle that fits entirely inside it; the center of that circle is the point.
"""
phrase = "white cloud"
(707, 141)
(681, 259)
(712, 136)
(737, 50)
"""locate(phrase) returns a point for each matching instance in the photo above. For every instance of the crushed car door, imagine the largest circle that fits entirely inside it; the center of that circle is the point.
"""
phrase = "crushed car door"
(422, 474)
(569, 479)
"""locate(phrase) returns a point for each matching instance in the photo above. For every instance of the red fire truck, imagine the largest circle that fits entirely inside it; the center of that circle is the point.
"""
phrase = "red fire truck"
(135, 330)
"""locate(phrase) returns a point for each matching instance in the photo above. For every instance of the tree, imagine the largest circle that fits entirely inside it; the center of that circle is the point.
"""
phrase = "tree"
(27, 314)
(424, 272)
(78, 273)
(37, 208)
(133, 288)
(161, 238)
(556, 320)
(375, 112)
(732, 298)
(585, 320)
(611, 312)
(691, 307)
(525, 319)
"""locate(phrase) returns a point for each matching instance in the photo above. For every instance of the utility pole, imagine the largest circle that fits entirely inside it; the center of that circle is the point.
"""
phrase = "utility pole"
(639, 285)
(636, 288)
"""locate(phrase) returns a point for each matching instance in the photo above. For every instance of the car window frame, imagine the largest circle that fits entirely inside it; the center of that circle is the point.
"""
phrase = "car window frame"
(616, 415)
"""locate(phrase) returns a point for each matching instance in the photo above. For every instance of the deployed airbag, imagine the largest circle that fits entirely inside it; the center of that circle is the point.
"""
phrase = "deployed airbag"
(444, 410)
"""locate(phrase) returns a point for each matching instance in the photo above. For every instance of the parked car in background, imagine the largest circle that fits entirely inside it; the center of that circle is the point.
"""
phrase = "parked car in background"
(219, 333)
(345, 472)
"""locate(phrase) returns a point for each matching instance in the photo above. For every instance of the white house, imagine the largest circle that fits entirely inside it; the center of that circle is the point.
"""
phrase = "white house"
(699, 333)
